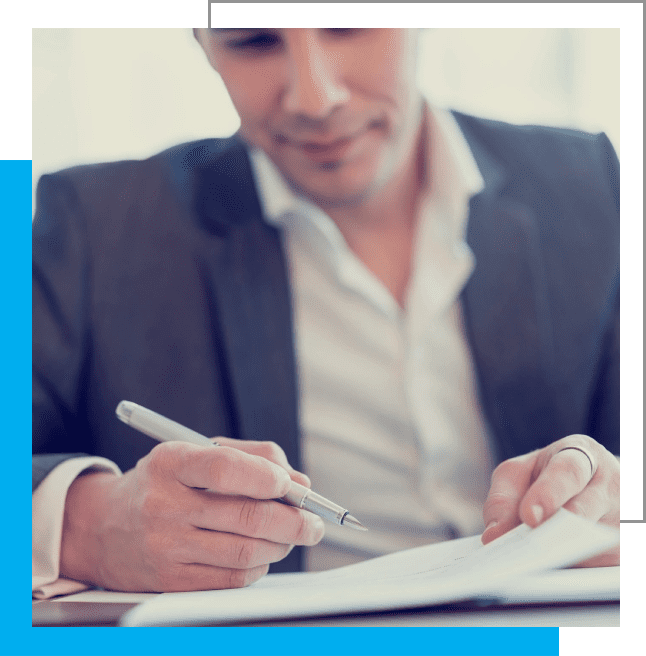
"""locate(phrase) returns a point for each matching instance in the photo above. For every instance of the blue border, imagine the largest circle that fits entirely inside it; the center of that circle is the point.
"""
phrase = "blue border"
(15, 330)
(292, 641)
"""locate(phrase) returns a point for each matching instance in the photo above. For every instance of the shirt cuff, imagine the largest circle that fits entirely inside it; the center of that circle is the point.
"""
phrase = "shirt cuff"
(48, 509)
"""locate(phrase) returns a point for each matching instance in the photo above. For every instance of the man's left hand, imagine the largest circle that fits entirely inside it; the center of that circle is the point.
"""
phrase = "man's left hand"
(531, 488)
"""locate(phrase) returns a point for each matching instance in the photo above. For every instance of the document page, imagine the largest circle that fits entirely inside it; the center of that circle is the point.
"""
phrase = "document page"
(434, 574)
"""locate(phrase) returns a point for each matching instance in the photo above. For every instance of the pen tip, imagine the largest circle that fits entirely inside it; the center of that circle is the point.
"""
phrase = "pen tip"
(124, 410)
(354, 523)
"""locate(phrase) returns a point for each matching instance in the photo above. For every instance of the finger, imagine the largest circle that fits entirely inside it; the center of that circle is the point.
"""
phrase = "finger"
(223, 469)
(563, 477)
(299, 477)
(227, 550)
(268, 520)
(592, 502)
(509, 482)
(608, 558)
(182, 577)
(269, 450)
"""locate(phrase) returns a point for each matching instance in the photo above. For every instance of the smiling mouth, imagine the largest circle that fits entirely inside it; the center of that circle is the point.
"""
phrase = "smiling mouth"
(331, 152)
(328, 152)
(313, 147)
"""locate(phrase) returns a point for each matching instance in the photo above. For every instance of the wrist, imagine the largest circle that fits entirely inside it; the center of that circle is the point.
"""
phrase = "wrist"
(87, 506)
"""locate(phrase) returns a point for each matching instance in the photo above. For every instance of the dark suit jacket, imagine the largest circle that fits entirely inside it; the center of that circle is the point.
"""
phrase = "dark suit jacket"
(159, 282)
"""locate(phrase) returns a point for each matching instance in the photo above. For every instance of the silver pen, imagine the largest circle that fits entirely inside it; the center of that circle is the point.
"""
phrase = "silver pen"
(165, 430)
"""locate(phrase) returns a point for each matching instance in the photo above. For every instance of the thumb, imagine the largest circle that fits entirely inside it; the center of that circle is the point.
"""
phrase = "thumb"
(509, 483)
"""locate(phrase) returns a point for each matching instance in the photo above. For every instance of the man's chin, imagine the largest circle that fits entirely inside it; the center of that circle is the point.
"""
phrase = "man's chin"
(331, 199)
(335, 192)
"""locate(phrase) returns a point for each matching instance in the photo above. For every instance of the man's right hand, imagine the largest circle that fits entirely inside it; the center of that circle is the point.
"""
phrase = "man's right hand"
(185, 518)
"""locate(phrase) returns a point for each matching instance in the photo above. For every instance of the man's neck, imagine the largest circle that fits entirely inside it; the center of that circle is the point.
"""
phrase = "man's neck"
(381, 230)
(394, 206)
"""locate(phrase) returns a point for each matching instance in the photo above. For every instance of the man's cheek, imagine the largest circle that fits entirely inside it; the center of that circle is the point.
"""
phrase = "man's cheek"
(253, 133)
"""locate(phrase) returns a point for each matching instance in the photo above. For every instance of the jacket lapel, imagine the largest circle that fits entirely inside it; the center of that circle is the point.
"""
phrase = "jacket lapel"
(245, 269)
(507, 314)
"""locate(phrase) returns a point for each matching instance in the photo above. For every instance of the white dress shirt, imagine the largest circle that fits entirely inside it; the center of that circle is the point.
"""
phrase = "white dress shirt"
(47, 510)
(391, 424)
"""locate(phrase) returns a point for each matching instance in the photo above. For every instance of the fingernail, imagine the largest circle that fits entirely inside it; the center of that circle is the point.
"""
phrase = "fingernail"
(537, 513)
(285, 480)
(318, 529)
(491, 524)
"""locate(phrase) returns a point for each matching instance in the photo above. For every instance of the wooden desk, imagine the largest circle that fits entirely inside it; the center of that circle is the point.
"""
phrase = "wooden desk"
(83, 613)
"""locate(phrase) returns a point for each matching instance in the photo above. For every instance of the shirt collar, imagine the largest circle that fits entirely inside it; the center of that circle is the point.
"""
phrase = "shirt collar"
(456, 174)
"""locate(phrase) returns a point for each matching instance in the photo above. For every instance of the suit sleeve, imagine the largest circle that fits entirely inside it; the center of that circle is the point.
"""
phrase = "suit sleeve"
(604, 403)
(60, 341)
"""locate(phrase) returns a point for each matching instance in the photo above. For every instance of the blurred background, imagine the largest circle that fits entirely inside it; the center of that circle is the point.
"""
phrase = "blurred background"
(107, 94)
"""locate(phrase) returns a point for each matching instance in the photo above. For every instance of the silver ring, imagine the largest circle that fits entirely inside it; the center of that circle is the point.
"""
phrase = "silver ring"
(587, 454)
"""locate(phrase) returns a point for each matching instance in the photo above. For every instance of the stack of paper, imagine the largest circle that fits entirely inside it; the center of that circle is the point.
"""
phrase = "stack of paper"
(520, 566)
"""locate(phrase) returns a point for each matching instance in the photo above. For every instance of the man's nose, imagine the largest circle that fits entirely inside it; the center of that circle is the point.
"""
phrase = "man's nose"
(314, 87)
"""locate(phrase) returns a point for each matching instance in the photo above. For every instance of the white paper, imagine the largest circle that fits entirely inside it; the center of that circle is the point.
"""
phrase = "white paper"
(580, 584)
(434, 574)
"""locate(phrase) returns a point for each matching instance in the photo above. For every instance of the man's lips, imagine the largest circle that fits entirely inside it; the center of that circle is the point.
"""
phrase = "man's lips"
(327, 151)
(322, 146)
(333, 150)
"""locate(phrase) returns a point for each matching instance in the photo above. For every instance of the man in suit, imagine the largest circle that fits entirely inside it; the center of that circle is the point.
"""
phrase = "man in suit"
(446, 288)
